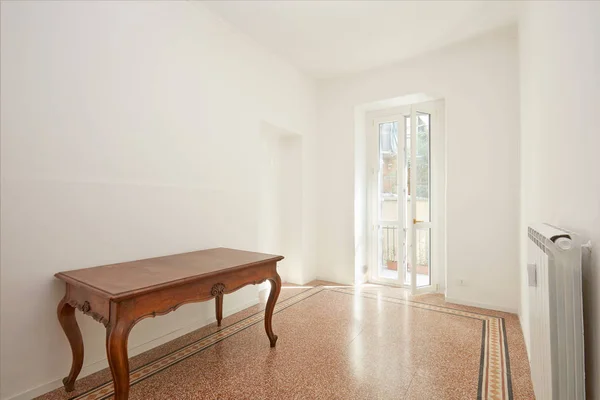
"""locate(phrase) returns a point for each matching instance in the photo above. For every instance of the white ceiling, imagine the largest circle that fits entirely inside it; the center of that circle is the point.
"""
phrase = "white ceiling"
(330, 38)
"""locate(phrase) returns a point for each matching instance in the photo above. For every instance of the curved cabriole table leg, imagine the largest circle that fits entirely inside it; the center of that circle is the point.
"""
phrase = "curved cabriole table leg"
(116, 350)
(66, 317)
(273, 295)
(219, 308)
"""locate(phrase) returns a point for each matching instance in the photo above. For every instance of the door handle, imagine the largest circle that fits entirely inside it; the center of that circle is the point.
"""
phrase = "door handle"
(415, 221)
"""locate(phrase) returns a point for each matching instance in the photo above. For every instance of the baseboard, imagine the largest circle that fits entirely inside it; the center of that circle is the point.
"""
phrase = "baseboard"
(482, 305)
(524, 339)
(340, 281)
(301, 283)
(134, 351)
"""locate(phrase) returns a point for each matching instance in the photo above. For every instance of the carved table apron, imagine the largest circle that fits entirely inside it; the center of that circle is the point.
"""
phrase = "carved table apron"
(120, 295)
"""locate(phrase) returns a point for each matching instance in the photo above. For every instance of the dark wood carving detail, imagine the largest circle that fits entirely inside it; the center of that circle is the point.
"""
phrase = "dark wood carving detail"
(217, 290)
(87, 310)
(153, 314)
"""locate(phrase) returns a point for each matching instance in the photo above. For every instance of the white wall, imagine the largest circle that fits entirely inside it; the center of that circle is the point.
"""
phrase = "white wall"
(129, 130)
(479, 81)
(281, 215)
(560, 144)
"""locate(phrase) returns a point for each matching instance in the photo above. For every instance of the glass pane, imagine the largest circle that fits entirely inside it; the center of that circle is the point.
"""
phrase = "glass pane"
(388, 252)
(388, 171)
(423, 256)
(423, 171)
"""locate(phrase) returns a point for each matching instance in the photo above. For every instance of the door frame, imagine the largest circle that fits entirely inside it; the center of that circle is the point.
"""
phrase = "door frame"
(436, 109)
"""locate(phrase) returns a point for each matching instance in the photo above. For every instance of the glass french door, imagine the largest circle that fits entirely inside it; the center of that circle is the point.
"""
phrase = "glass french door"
(419, 190)
(401, 199)
(389, 214)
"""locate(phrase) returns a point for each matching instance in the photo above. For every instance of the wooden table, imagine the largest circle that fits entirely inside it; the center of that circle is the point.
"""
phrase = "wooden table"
(120, 295)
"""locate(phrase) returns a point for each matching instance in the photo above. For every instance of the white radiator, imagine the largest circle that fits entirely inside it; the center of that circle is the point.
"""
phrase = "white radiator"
(555, 313)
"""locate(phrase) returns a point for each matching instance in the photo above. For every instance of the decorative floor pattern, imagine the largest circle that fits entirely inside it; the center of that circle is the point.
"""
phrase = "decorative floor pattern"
(335, 343)
(494, 369)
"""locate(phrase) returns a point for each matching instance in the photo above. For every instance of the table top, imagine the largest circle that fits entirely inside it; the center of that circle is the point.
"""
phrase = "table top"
(134, 277)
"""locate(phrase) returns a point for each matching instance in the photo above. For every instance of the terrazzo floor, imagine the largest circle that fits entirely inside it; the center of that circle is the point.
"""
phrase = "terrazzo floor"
(335, 342)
